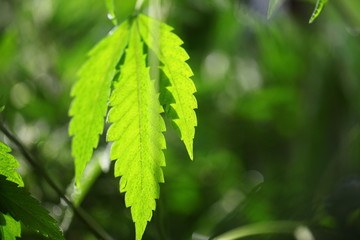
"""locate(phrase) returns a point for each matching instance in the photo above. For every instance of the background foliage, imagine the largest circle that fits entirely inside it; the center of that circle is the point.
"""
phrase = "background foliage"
(278, 131)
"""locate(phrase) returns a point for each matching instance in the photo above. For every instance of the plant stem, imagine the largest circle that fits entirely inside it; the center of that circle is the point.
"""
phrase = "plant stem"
(96, 229)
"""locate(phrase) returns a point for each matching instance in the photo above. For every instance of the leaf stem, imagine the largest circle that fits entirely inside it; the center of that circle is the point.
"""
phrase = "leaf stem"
(96, 229)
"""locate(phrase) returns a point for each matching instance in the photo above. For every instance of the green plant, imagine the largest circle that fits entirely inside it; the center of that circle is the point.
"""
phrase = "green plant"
(137, 125)
(118, 76)
(318, 8)
(16, 204)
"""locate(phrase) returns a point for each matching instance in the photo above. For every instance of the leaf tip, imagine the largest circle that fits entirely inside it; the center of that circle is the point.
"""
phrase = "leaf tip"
(190, 150)
(139, 230)
(318, 9)
(312, 18)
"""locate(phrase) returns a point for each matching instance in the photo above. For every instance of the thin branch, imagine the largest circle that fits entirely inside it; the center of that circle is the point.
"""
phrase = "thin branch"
(96, 229)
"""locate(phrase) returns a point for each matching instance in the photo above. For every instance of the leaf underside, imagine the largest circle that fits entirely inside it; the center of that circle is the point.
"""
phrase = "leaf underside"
(136, 130)
(318, 8)
(18, 203)
(91, 94)
(178, 96)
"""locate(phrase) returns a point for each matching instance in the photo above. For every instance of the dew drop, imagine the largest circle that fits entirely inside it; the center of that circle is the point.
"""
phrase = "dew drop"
(110, 16)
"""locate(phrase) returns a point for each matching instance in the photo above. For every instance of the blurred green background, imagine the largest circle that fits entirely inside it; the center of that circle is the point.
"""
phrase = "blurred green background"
(278, 134)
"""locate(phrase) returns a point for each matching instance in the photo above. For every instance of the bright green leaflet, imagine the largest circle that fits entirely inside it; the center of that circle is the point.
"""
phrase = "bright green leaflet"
(136, 130)
(137, 125)
(8, 164)
(91, 93)
(11, 228)
(17, 202)
(318, 8)
(180, 101)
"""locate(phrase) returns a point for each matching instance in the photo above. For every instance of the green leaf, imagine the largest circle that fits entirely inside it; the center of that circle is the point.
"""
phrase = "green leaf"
(272, 5)
(8, 164)
(166, 45)
(2, 108)
(11, 229)
(124, 9)
(17, 202)
(111, 9)
(136, 130)
(91, 94)
(318, 8)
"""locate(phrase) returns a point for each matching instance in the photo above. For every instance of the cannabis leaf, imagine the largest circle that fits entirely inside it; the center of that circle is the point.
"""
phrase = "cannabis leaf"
(180, 101)
(318, 8)
(10, 228)
(137, 134)
(8, 164)
(17, 202)
(137, 126)
(91, 94)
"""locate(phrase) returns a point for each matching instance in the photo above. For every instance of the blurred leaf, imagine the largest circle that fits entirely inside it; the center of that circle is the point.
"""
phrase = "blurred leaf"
(2, 108)
(11, 229)
(258, 229)
(22, 207)
(124, 9)
(273, 4)
(91, 94)
(167, 45)
(137, 134)
(8, 43)
(183, 193)
(318, 8)
(277, 104)
(111, 9)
